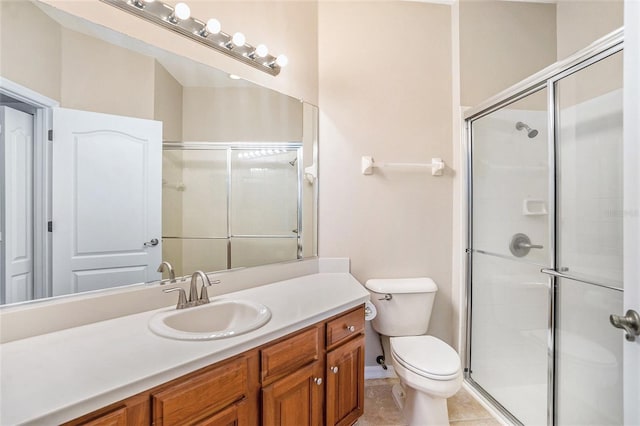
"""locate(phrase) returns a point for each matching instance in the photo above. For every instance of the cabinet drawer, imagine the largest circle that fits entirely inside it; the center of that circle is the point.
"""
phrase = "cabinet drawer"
(190, 400)
(289, 354)
(345, 326)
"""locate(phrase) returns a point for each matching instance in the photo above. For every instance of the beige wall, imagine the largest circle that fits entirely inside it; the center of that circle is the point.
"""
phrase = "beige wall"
(30, 44)
(501, 43)
(240, 114)
(100, 77)
(168, 104)
(392, 100)
(287, 27)
(580, 23)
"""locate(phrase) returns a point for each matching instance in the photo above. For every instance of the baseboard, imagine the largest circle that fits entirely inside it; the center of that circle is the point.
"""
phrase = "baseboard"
(377, 372)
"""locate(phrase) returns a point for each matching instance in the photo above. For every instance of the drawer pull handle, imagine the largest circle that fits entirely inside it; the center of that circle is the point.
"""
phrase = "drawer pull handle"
(334, 370)
(351, 328)
(318, 381)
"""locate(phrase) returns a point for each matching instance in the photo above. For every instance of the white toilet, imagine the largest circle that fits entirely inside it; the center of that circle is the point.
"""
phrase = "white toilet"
(429, 369)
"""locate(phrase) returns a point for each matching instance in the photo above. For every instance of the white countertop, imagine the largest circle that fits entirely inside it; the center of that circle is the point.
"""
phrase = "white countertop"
(59, 376)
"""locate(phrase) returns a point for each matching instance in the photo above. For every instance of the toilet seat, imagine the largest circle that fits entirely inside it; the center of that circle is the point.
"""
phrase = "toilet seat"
(426, 356)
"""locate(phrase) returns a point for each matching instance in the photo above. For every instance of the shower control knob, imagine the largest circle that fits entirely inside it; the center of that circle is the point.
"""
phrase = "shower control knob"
(630, 323)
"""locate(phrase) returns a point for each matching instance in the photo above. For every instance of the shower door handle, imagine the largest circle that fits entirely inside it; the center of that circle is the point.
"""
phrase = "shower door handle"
(630, 323)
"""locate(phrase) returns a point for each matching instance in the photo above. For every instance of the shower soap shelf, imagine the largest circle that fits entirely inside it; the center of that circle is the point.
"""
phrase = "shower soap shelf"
(532, 207)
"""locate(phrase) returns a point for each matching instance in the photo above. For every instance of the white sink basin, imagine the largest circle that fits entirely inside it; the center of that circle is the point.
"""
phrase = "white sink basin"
(215, 320)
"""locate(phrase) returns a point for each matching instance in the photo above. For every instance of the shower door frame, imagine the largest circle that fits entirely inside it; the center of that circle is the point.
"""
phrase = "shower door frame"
(229, 148)
(600, 49)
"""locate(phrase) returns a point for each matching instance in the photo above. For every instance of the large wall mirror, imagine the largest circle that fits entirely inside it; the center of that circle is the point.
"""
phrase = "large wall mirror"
(153, 157)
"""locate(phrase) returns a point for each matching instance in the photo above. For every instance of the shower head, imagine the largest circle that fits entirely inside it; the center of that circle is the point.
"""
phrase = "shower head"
(293, 162)
(532, 133)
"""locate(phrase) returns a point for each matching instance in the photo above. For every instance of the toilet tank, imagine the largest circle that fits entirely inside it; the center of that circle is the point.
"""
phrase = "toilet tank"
(408, 309)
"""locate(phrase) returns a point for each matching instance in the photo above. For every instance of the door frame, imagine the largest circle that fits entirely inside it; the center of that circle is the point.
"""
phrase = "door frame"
(41, 180)
(631, 150)
(604, 47)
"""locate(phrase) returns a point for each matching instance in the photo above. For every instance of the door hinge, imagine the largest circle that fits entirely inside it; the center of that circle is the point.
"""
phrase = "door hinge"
(50, 226)
(50, 134)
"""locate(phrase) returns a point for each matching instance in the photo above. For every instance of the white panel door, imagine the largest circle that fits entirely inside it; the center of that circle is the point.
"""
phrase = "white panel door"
(16, 134)
(107, 173)
(631, 208)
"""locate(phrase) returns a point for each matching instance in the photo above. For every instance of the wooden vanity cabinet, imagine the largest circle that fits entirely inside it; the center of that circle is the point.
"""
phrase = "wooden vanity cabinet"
(296, 397)
(293, 379)
(345, 368)
(221, 394)
(345, 383)
(312, 377)
(131, 411)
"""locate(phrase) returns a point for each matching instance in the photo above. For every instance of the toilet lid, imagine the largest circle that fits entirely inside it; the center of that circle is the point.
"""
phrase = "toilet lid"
(427, 356)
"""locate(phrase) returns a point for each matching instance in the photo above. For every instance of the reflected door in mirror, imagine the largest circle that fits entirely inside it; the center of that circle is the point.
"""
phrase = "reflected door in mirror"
(106, 208)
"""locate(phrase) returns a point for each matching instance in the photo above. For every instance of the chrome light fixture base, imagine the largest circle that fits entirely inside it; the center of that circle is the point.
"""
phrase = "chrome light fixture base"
(161, 14)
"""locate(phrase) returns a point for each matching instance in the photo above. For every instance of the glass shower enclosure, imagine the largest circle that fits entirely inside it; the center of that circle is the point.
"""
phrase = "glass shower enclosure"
(229, 205)
(545, 244)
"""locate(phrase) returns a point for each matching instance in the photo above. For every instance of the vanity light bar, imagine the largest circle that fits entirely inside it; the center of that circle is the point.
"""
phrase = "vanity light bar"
(231, 45)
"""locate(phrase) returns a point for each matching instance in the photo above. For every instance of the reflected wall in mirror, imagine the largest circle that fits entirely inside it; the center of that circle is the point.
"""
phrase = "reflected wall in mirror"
(156, 147)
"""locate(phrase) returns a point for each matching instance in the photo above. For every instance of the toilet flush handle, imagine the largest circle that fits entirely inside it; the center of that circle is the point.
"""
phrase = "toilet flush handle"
(387, 296)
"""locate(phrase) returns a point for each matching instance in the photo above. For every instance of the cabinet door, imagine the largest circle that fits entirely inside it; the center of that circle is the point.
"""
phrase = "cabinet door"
(345, 383)
(295, 400)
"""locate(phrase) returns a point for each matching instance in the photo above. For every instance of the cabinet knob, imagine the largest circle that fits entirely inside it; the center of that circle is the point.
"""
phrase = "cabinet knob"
(351, 328)
(334, 370)
(318, 381)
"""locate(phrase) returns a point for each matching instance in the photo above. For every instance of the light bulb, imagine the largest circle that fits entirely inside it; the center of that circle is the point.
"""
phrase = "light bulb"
(238, 39)
(182, 11)
(282, 61)
(213, 26)
(262, 50)
(234, 77)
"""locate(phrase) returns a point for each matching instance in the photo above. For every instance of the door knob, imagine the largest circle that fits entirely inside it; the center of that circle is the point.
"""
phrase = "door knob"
(318, 381)
(334, 370)
(630, 323)
(153, 242)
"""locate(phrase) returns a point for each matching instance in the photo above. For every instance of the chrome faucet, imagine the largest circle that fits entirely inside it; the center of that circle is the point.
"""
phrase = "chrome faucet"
(193, 289)
(193, 300)
(170, 271)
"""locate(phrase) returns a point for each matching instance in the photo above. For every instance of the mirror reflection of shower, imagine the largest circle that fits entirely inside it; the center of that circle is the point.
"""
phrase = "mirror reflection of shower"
(531, 133)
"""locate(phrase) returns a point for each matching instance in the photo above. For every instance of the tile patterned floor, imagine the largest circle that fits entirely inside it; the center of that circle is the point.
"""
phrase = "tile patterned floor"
(381, 410)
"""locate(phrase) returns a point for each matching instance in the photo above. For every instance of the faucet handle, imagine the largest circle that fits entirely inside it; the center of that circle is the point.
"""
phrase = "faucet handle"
(204, 295)
(182, 296)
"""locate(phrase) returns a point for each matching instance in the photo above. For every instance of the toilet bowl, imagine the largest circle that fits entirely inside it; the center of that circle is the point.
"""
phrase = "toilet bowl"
(429, 372)
(429, 369)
